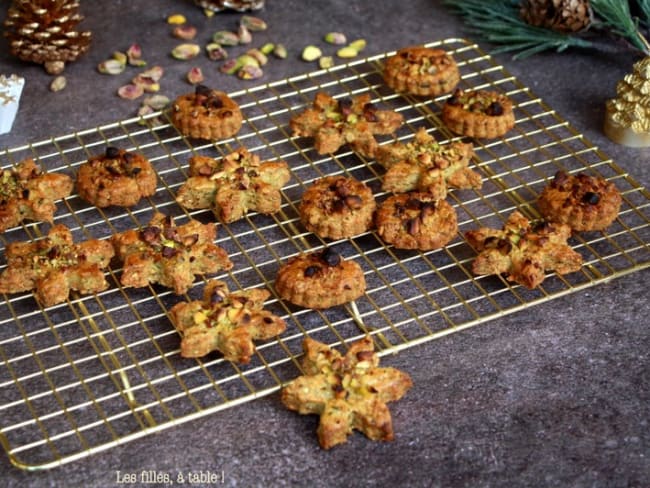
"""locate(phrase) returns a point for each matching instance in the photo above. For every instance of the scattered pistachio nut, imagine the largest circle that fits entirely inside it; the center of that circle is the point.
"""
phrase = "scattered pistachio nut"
(130, 91)
(337, 38)
(55, 67)
(347, 52)
(111, 67)
(230, 66)
(155, 73)
(250, 72)
(358, 44)
(216, 52)
(185, 32)
(134, 55)
(156, 102)
(258, 55)
(145, 110)
(208, 13)
(253, 24)
(120, 57)
(58, 83)
(279, 51)
(195, 75)
(325, 62)
(244, 35)
(248, 60)
(225, 38)
(267, 48)
(148, 84)
(311, 53)
(183, 52)
(176, 19)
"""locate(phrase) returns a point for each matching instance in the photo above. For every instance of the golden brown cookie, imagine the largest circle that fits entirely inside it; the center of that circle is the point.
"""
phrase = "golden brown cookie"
(117, 177)
(234, 184)
(320, 280)
(583, 202)
(348, 392)
(225, 321)
(168, 254)
(355, 121)
(479, 113)
(28, 193)
(206, 114)
(523, 252)
(55, 265)
(423, 71)
(416, 221)
(336, 207)
(424, 165)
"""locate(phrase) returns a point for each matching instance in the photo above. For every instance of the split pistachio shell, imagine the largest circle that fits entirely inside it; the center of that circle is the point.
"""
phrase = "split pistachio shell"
(176, 19)
(110, 67)
(253, 24)
(130, 91)
(195, 75)
(184, 52)
(216, 52)
(58, 83)
(311, 53)
(225, 38)
(335, 38)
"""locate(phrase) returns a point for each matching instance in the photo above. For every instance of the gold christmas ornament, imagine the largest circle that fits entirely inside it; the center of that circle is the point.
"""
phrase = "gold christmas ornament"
(627, 117)
(559, 15)
(43, 32)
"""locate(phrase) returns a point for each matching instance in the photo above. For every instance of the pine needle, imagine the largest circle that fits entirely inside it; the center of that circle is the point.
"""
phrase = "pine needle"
(499, 22)
(616, 15)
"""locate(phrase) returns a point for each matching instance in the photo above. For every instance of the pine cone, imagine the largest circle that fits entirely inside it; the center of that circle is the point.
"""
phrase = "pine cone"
(43, 32)
(559, 15)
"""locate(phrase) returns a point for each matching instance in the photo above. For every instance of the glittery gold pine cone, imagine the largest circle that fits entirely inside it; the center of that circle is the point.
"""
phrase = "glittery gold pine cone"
(43, 32)
(558, 15)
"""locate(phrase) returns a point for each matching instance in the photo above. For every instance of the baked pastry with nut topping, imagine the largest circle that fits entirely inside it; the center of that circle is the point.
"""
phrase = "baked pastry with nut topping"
(55, 265)
(320, 280)
(206, 114)
(117, 177)
(168, 254)
(425, 165)
(349, 392)
(28, 193)
(234, 184)
(355, 121)
(336, 207)
(581, 201)
(522, 251)
(422, 71)
(416, 220)
(479, 113)
(225, 321)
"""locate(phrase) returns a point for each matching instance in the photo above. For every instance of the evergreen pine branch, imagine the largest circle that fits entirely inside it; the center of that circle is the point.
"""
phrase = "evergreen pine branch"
(499, 22)
(616, 15)
(644, 6)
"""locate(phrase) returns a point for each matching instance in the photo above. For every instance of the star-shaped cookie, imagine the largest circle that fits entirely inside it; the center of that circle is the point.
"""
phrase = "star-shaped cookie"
(225, 322)
(233, 185)
(54, 265)
(168, 254)
(425, 165)
(333, 123)
(523, 252)
(348, 392)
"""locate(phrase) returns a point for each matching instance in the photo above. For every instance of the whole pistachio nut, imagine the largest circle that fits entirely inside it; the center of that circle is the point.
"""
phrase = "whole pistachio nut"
(195, 75)
(130, 91)
(258, 55)
(335, 38)
(58, 83)
(253, 24)
(250, 72)
(311, 53)
(279, 51)
(183, 52)
(267, 48)
(225, 38)
(185, 32)
(216, 52)
(110, 67)
(244, 35)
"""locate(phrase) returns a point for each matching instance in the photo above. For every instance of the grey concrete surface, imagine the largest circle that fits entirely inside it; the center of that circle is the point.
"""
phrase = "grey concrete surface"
(555, 396)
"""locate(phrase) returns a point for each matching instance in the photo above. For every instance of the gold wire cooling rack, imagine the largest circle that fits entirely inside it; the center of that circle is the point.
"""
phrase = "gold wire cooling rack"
(100, 370)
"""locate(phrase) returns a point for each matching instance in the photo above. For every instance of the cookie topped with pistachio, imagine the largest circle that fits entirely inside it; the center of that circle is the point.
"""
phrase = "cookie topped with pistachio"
(478, 113)
(225, 321)
(422, 71)
(425, 165)
(206, 114)
(29, 193)
(116, 177)
(234, 185)
(523, 251)
(170, 255)
(320, 280)
(355, 121)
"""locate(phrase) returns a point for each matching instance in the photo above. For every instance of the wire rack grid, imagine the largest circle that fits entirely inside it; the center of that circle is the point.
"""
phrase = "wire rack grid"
(102, 369)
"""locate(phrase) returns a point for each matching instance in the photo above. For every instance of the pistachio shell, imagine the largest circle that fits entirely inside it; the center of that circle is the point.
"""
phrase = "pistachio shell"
(335, 38)
(225, 38)
(130, 91)
(253, 24)
(110, 67)
(311, 53)
(58, 83)
(184, 52)
(176, 19)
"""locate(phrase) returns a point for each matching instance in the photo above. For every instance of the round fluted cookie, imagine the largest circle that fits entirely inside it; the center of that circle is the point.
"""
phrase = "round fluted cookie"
(581, 201)
(479, 113)
(416, 221)
(320, 280)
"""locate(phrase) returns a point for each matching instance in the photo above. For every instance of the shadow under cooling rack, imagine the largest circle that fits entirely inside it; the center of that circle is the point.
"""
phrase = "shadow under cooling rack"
(99, 370)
